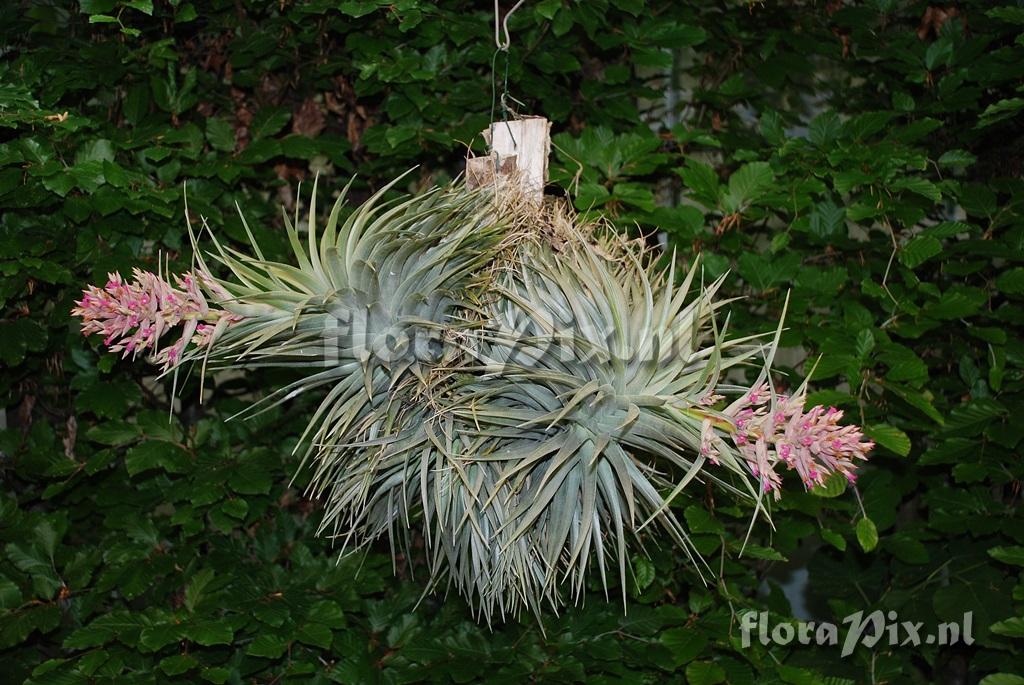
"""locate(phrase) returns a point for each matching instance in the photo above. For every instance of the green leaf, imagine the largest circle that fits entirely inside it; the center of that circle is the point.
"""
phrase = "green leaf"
(704, 673)
(118, 624)
(268, 122)
(701, 521)
(634, 7)
(948, 229)
(1000, 111)
(327, 612)
(144, 6)
(108, 399)
(753, 551)
(643, 571)
(18, 338)
(1002, 679)
(38, 565)
(828, 221)
(1009, 14)
(1011, 627)
(919, 250)
(702, 180)
(97, 149)
(685, 643)
(684, 222)
(268, 646)
(196, 586)
(1011, 281)
(957, 302)
(209, 633)
(236, 508)
(178, 664)
(867, 534)
(833, 538)
(217, 675)
(220, 134)
(830, 398)
(250, 479)
(260, 151)
(156, 637)
(396, 135)
(917, 399)
(1008, 555)
(957, 158)
(747, 185)
(903, 102)
(833, 486)
(865, 343)
(907, 549)
(938, 53)
(185, 13)
(315, 634)
(591, 195)
(357, 8)
(971, 418)
(634, 194)
(866, 125)
(824, 129)
(96, 6)
(154, 454)
(10, 594)
(17, 626)
(548, 8)
(889, 437)
(919, 186)
(763, 272)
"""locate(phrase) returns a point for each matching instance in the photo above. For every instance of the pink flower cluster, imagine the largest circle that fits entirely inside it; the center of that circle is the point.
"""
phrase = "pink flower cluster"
(770, 430)
(133, 316)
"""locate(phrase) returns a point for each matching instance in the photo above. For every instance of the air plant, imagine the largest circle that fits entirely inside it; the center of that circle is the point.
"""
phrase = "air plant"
(584, 396)
(363, 316)
(528, 397)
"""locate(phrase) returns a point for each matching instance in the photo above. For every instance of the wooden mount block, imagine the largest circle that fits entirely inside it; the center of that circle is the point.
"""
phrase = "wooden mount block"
(519, 151)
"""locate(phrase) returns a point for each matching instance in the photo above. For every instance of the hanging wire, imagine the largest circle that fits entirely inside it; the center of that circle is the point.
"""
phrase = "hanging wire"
(502, 42)
(494, 86)
(503, 45)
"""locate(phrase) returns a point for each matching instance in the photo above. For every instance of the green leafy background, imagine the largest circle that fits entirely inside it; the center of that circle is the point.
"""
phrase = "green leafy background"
(864, 157)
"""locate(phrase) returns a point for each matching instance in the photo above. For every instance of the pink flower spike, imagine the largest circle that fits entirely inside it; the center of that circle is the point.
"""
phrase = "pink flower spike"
(809, 441)
(133, 316)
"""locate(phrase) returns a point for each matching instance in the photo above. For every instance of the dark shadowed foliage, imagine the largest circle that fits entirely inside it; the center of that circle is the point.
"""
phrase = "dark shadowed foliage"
(863, 156)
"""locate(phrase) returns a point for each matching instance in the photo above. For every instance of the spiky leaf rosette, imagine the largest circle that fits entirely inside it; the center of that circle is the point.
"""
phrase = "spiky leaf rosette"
(582, 419)
(361, 314)
(531, 399)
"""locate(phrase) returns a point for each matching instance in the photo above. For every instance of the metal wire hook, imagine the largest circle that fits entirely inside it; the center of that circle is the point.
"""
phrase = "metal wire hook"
(503, 25)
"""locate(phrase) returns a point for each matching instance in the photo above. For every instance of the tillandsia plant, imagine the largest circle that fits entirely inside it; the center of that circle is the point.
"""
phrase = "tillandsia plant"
(525, 395)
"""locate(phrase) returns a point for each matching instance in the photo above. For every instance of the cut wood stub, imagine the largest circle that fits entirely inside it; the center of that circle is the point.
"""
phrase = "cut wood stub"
(484, 171)
(527, 143)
